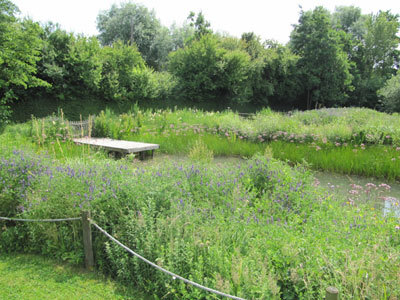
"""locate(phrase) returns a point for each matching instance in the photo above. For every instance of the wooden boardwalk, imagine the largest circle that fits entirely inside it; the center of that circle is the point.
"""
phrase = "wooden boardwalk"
(119, 146)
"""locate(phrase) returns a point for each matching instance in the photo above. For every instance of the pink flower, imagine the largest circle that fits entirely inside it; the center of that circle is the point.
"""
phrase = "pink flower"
(385, 186)
(370, 185)
(356, 186)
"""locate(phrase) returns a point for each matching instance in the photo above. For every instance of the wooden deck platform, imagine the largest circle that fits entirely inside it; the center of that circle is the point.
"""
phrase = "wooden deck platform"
(119, 146)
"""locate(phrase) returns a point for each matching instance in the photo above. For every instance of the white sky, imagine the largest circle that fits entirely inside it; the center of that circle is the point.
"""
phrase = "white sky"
(270, 19)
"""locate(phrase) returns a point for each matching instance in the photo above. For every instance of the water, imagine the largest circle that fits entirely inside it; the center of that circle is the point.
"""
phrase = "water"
(383, 195)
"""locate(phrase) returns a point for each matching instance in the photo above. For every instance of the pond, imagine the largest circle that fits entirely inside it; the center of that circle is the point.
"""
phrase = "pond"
(385, 195)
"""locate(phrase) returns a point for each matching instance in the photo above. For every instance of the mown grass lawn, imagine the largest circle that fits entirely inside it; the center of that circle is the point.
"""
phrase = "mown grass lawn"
(34, 277)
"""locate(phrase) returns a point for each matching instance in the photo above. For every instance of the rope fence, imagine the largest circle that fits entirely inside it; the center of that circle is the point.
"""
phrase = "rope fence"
(39, 220)
(174, 276)
(331, 292)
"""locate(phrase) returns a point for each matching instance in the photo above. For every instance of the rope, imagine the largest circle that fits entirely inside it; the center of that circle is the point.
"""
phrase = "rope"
(39, 220)
(174, 276)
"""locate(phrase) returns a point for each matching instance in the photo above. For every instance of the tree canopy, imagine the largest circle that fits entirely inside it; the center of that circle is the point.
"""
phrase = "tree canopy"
(324, 64)
(20, 47)
(343, 58)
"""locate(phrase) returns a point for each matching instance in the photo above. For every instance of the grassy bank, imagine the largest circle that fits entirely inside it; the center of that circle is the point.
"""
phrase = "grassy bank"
(34, 277)
(342, 125)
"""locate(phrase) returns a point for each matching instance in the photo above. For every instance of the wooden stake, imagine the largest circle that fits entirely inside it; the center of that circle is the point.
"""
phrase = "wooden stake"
(87, 240)
(332, 293)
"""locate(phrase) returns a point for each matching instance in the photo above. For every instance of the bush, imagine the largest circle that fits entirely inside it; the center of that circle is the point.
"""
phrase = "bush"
(206, 72)
(390, 94)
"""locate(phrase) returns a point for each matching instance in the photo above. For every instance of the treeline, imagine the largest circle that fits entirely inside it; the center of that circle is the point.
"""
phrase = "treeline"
(344, 58)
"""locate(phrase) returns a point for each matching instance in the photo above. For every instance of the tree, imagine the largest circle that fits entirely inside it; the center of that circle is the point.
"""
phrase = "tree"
(200, 24)
(390, 94)
(350, 20)
(125, 77)
(70, 64)
(180, 35)
(135, 24)
(381, 42)
(208, 72)
(371, 44)
(19, 51)
(323, 63)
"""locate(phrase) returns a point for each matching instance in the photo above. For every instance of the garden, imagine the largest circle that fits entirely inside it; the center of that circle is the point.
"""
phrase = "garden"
(259, 226)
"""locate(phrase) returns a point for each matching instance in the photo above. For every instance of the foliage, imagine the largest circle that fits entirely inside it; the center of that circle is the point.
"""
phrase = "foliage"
(20, 45)
(124, 74)
(200, 25)
(208, 72)
(391, 94)
(71, 64)
(134, 24)
(371, 43)
(324, 64)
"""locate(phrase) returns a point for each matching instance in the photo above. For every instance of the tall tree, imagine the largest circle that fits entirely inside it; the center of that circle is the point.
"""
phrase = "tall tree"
(371, 43)
(134, 24)
(200, 24)
(19, 51)
(323, 63)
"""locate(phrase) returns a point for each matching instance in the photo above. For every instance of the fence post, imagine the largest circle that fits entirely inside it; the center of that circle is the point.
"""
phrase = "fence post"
(332, 293)
(87, 240)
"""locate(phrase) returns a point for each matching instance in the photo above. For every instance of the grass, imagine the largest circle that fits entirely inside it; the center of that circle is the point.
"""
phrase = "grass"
(352, 141)
(378, 161)
(257, 228)
(25, 276)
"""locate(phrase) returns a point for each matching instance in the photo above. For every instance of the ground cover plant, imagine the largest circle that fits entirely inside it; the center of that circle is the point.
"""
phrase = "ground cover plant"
(27, 276)
(258, 229)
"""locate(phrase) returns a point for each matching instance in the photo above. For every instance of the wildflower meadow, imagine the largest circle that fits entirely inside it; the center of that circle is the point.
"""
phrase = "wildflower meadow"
(256, 227)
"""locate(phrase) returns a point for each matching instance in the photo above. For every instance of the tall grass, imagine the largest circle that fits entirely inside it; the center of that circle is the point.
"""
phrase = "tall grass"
(373, 161)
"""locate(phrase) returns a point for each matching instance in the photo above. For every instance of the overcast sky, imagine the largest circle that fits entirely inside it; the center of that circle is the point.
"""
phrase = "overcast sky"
(270, 19)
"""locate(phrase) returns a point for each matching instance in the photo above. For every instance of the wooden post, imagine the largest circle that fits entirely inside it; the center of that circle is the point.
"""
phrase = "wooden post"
(332, 293)
(142, 155)
(87, 240)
